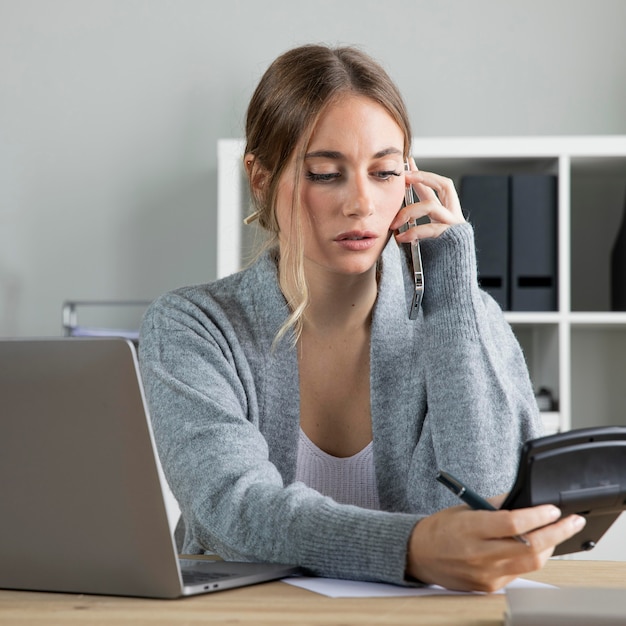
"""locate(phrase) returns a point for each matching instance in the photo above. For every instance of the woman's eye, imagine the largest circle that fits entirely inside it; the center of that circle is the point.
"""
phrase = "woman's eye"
(322, 178)
(332, 176)
(386, 175)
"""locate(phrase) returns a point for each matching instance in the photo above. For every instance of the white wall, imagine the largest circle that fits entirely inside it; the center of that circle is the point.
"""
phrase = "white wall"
(110, 111)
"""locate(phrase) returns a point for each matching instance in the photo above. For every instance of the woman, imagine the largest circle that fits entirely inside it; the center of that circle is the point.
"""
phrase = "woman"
(300, 415)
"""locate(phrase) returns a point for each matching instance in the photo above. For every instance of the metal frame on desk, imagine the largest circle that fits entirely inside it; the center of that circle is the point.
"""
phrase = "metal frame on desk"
(71, 327)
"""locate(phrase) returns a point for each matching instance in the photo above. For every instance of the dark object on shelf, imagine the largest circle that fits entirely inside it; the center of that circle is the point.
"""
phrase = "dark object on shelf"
(515, 225)
(485, 201)
(618, 269)
(533, 242)
(545, 399)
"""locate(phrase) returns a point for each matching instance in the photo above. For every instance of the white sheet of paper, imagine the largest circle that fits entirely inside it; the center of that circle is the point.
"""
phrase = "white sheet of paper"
(338, 588)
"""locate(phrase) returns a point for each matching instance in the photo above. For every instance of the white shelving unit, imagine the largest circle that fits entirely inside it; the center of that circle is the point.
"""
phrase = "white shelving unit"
(578, 351)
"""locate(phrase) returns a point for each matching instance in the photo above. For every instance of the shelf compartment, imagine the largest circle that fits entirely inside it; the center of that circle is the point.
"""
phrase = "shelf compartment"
(540, 345)
(598, 375)
(598, 202)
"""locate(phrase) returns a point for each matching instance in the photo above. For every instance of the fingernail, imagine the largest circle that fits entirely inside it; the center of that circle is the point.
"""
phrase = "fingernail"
(579, 522)
(555, 513)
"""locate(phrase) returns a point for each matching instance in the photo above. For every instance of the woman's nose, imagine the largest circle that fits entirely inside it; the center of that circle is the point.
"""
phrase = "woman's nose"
(360, 201)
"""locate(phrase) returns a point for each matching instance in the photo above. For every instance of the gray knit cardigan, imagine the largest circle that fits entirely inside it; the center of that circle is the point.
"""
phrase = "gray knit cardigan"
(449, 391)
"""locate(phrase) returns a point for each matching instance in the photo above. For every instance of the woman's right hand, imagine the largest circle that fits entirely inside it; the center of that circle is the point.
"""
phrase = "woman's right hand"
(459, 548)
(438, 200)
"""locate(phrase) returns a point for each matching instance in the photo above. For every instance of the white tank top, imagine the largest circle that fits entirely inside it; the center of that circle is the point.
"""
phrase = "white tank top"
(350, 480)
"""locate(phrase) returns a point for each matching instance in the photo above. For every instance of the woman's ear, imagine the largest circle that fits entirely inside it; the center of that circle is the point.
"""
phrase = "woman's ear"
(257, 174)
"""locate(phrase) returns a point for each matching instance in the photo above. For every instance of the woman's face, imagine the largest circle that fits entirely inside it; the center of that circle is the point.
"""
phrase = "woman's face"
(352, 187)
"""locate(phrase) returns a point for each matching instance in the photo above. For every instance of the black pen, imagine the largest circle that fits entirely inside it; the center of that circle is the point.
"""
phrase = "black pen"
(470, 497)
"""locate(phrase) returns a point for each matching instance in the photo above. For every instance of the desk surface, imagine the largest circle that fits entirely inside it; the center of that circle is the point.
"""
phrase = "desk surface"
(279, 604)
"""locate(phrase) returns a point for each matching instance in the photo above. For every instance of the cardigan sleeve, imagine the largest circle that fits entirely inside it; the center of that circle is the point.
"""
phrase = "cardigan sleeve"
(201, 396)
(481, 406)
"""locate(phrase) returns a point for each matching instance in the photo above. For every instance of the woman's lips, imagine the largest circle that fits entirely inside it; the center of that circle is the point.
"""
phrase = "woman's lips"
(356, 240)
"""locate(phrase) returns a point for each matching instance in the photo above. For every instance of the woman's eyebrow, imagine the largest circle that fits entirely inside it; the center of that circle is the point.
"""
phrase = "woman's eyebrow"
(324, 154)
(335, 155)
(387, 152)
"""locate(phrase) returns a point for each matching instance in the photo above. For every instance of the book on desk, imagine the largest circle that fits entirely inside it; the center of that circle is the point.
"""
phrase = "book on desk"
(567, 606)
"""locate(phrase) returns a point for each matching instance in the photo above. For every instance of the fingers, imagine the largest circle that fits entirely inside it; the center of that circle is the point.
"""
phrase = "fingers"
(434, 187)
(520, 559)
(539, 527)
(522, 521)
(548, 537)
(421, 231)
(538, 524)
(438, 201)
(464, 549)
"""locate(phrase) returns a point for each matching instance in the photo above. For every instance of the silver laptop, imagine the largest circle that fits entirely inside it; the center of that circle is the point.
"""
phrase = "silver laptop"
(82, 508)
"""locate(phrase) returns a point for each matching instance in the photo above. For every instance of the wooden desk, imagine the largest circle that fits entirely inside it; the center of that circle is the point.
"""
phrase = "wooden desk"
(278, 604)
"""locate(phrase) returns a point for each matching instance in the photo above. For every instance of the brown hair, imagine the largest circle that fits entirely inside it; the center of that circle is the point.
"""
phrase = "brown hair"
(290, 98)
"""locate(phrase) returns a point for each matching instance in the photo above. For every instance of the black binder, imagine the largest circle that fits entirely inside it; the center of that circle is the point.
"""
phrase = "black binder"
(533, 242)
(485, 202)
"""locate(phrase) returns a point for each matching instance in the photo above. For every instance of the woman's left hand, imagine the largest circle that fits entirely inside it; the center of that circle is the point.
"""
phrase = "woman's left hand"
(438, 200)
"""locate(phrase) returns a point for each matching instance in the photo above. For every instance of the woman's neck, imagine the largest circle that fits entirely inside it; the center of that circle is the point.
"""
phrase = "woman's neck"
(339, 303)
